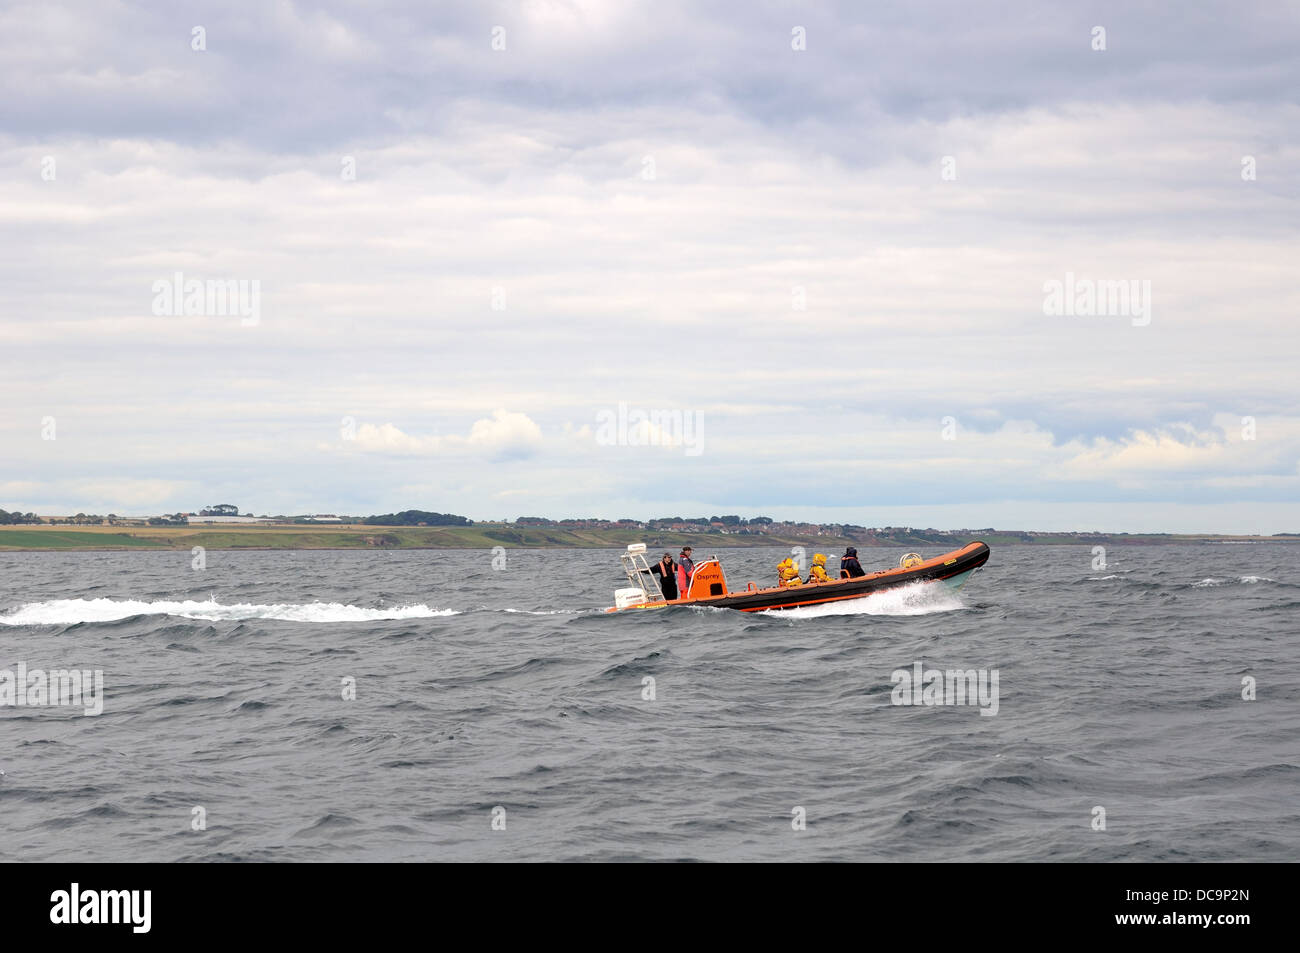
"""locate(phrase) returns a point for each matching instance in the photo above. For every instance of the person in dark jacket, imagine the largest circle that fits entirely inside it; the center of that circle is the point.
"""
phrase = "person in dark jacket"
(850, 568)
(666, 570)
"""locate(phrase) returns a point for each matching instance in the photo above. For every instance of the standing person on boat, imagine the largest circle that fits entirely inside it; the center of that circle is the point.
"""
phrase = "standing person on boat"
(850, 568)
(685, 569)
(666, 570)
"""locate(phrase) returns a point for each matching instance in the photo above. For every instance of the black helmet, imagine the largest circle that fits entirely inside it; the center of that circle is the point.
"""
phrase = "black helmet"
(850, 551)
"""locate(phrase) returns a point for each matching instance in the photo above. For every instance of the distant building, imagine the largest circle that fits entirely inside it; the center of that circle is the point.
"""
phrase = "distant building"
(227, 519)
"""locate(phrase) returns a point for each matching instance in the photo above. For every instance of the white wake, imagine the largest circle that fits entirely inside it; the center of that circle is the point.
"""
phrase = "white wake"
(917, 598)
(73, 611)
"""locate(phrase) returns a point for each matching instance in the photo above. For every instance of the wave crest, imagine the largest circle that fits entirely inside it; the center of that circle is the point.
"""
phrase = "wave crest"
(918, 598)
(74, 611)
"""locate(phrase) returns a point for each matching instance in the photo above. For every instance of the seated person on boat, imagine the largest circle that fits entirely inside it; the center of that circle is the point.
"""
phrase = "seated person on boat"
(850, 568)
(818, 571)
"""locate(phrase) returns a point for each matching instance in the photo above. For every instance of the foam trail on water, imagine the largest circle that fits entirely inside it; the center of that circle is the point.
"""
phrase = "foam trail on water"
(544, 611)
(73, 611)
(918, 598)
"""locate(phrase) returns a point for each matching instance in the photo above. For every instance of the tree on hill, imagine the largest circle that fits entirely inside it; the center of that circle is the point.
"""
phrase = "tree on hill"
(417, 518)
(12, 519)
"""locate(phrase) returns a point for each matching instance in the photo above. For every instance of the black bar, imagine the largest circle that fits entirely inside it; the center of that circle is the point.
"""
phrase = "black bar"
(912, 903)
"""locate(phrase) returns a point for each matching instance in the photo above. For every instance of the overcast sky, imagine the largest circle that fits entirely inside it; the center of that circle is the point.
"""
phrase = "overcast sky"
(829, 264)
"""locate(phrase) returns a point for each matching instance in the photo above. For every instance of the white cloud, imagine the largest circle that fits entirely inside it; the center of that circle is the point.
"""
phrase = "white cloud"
(504, 435)
(385, 438)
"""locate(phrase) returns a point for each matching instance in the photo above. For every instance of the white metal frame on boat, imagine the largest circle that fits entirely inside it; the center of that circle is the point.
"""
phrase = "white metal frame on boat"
(638, 572)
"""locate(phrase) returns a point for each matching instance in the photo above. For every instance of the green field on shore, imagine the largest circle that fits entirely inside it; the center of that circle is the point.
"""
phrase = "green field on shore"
(488, 535)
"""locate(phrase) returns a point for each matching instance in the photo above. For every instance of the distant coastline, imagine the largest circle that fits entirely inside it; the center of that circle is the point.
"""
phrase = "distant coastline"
(263, 536)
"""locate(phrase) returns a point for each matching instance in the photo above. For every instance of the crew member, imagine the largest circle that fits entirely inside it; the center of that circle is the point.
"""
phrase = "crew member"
(685, 569)
(666, 570)
(850, 568)
(788, 573)
(818, 571)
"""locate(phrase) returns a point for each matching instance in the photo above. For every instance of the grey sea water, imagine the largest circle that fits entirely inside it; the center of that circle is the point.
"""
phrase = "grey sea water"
(479, 688)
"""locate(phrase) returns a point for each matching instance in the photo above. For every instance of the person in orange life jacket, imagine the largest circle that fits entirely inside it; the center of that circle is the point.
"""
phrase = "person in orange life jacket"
(666, 570)
(685, 569)
(850, 568)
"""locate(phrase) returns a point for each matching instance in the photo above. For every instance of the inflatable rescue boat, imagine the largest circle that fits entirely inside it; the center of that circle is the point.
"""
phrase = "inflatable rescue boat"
(708, 586)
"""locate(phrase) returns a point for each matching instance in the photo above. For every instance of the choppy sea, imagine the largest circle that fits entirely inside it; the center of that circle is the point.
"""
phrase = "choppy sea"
(424, 705)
